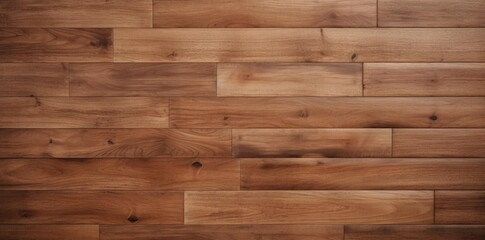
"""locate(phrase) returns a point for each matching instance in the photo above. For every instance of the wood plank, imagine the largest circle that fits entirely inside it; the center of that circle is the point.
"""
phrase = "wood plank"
(460, 207)
(79, 112)
(362, 174)
(119, 174)
(49, 232)
(289, 79)
(112, 143)
(56, 45)
(221, 232)
(264, 14)
(91, 207)
(74, 13)
(431, 13)
(311, 143)
(438, 143)
(417, 232)
(424, 79)
(300, 45)
(34, 79)
(142, 79)
(309, 207)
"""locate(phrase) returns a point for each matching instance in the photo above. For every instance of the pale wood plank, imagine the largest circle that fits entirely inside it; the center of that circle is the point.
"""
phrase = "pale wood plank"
(460, 207)
(49, 232)
(417, 232)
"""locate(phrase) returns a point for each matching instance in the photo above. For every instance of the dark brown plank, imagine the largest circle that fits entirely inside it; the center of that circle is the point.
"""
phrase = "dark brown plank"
(80, 112)
(460, 207)
(91, 207)
(438, 143)
(362, 174)
(49, 232)
(112, 143)
(56, 45)
(418, 232)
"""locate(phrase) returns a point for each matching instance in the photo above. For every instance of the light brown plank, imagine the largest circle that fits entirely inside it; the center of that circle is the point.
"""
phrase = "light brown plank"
(222, 232)
(431, 13)
(79, 112)
(91, 207)
(418, 232)
(362, 174)
(311, 143)
(112, 143)
(34, 79)
(142, 79)
(424, 79)
(439, 143)
(49, 232)
(289, 79)
(300, 45)
(264, 13)
(309, 207)
(56, 45)
(326, 112)
(119, 174)
(460, 207)
(74, 13)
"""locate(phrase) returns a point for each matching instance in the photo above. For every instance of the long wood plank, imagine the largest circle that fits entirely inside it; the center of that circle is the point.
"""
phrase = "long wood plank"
(362, 174)
(119, 174)
(49, 232)
(91, 207)
(264, 13)
(300, 45)
(112, 143)
(431, 13)
(460, 207)
(309, 207)
(417, 232)
(222, 232)
(79, 112)
(74, 13)
(424, 79)
(438, 143)
(142, 79)
(289, 79)
(34, 79)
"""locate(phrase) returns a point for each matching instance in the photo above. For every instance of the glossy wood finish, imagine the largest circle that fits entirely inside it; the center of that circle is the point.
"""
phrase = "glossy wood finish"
(460, 207)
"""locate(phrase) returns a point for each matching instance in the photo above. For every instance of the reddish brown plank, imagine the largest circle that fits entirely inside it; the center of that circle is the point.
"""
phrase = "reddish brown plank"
(460, 207)
(417, 232)
(49, 232)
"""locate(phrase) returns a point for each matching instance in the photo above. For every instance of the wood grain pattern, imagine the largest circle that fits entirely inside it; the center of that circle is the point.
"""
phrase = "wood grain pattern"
(438, 143)
(265, 13)
(362, 174)
(424, 79)
(142, 79)
(79, 112)
(418, 232)
(34, 79)
(460, 207)
(289, 79)
(431, 13)
(112, 143)
(56, 45)
(222, 232)
(326, 112)
(91, 207)
(311, 207)
(49, 232)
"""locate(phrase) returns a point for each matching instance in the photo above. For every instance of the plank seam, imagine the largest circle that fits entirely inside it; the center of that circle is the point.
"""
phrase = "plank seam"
(377, 13)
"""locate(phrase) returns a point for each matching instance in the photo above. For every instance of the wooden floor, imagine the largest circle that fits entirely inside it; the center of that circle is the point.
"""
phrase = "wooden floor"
(242, 119)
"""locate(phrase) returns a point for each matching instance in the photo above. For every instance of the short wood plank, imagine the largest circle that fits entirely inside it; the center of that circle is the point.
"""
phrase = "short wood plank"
(74, 13)
(142, 79)
(49, 232)
(439, 143)
(112, 143)
(424, 79)
(91, 207)
(417, 232)
(119, 174)
(460, 207)
(56, 45)
(362, 174)
(309, 207)
(431, 13)
(34, 79)
(289, 79)
(265, 13)
(79, 112)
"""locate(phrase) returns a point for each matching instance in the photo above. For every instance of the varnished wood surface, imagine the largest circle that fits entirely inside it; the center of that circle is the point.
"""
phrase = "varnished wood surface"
(49, 232)
(460, 207)
(416, 232)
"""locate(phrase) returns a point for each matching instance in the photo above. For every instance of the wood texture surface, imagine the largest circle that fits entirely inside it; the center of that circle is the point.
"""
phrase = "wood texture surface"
(417, 232)
(49, 232)
(460, 207)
